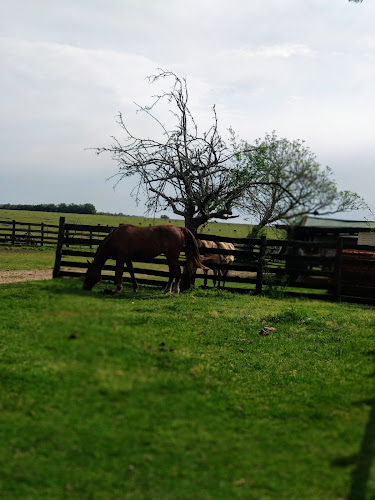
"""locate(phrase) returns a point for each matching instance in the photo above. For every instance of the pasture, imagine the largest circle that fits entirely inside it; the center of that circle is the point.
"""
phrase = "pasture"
(219, 228)
(26, 259)
(147, 396)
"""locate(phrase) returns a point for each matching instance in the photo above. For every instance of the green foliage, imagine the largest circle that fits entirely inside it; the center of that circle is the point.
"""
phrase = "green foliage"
(288, 182)
(275, 287)
(85, 208)
(145, 396)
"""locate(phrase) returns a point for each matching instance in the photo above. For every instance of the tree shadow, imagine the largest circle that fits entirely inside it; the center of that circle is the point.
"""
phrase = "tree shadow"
(362, 462)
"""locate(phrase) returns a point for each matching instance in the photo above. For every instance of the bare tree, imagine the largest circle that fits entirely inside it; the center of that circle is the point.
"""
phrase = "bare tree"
(192, 173)
(294, 183)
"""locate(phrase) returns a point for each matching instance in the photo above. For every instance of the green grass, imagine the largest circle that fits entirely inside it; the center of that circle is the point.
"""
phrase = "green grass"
(12, 258)
(216, 228)
(149, 397)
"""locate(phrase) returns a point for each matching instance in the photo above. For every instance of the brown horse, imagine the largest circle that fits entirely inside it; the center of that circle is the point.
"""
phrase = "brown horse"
(216, 259)
(127, 243)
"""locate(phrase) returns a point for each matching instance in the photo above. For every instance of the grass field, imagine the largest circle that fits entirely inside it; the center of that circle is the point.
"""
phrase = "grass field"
(25, 259)
(218, 228)
(149, 397)
(226, 229)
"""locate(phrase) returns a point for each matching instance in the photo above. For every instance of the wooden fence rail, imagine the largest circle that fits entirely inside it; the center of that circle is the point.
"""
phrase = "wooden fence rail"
(315, 270)
(41, 234)
(28, 233)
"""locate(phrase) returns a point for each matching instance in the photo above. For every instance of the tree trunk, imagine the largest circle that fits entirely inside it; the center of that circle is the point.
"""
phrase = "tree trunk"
(255, 230)
(188, 281)
(192, 224)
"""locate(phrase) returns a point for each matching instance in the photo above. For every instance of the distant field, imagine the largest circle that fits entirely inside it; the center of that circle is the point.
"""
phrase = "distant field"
(218, 228)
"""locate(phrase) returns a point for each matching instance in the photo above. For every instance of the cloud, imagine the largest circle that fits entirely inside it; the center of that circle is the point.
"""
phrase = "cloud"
(55, 66)
(58, 96)
(304, 69)
(284, 50)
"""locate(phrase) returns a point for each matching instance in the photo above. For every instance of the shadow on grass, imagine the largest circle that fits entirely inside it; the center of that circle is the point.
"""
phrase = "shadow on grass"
(362, 462)
(103, 291)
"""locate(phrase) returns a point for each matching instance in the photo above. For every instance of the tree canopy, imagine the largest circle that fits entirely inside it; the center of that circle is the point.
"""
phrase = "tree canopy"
(200, 177)
(188, 171)
(74, 208)
(294, 183)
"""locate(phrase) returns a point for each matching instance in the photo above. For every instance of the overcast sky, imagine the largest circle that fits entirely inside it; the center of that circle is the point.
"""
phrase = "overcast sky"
(304, 68)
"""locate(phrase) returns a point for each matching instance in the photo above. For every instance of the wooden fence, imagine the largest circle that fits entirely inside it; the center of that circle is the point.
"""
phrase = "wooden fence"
(28, 233)
(315, 270)
(40, 234)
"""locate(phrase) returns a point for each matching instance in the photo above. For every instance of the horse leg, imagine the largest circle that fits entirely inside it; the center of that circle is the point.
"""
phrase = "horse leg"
(130, 269)
(168, 288)
(118, 274)
(216, 278)
(177, 276)
(223, 275)
(205, 278)
(174, 274)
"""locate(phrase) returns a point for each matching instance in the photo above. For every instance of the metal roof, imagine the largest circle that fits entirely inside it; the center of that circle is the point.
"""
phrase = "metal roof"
(325, 222)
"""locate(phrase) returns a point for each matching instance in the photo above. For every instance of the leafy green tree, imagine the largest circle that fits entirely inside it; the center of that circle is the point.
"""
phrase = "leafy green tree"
(289, 183)
(88, 208)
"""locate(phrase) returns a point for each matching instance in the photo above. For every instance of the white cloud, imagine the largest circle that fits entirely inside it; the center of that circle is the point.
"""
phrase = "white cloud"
(304, 69)
(284, 50)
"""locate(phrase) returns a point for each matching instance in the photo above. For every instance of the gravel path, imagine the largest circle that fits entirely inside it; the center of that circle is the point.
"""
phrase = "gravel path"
(33, 275)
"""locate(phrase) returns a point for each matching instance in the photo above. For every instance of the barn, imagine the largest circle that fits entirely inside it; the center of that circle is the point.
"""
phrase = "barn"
(357, 264)
(329, 230)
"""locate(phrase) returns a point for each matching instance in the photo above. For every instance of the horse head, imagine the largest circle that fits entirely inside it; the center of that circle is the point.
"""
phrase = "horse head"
(93, 276)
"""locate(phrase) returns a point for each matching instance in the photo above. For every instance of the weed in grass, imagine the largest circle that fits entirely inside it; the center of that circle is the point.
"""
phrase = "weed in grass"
(274, 288)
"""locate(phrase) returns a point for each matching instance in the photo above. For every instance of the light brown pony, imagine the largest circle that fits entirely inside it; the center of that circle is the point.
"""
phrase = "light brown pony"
(227, 260)
(216, 259)
(127, 243)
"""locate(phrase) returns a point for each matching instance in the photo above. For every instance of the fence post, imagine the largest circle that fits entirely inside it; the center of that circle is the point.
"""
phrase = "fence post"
(60, 241)
(262, 252)
(42, 234)
(13, 237)
(338, 269)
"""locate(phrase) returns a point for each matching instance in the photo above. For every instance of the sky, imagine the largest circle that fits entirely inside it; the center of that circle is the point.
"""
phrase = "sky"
(304, 69)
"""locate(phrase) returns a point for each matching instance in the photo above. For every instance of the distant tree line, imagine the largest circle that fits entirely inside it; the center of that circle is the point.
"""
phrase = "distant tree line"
(71, 208)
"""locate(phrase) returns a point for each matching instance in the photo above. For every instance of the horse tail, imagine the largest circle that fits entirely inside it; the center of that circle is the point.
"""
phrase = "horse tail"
(192, 251)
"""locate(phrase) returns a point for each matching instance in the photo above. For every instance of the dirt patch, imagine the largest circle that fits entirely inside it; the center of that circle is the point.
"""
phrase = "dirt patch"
(33, 275)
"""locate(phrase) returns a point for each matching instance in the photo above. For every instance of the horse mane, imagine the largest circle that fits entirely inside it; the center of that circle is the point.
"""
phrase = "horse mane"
(103, 243)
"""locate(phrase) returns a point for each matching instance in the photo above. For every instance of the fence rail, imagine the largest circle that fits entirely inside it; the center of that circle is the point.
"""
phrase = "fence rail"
(311, 269)
(40, 234)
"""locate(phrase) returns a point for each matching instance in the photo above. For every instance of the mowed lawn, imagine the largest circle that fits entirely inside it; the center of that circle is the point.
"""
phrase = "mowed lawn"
(151, 397)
